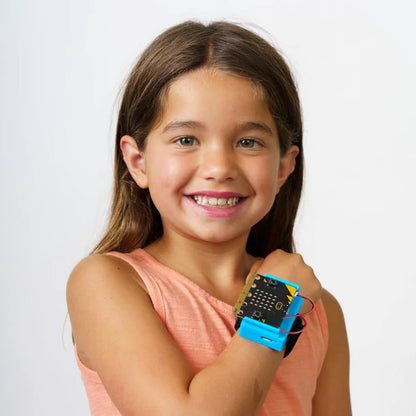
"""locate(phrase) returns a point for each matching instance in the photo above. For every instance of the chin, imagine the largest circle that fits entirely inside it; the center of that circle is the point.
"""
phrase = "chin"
(219, 237)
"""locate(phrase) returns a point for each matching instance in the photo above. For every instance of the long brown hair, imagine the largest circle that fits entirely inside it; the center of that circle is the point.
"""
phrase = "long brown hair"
(134, 221)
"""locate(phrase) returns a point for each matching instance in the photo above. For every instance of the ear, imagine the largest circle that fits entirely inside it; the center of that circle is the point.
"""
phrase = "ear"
(287, 165)
(135, 160)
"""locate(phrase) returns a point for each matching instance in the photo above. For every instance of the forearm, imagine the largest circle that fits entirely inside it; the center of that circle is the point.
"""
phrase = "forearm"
(236, 383)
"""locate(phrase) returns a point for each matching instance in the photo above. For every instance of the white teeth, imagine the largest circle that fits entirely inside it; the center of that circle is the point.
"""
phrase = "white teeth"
(221, 201)
(212, 201)
(216, 202)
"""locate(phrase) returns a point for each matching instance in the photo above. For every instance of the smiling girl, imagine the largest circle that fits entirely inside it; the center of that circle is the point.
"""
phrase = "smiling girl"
(208, 178)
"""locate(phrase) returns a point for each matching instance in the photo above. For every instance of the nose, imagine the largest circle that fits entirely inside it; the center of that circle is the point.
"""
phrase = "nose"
(218, 163)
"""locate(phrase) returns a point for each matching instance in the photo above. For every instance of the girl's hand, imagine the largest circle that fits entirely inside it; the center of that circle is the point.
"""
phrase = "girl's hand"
(292, 268)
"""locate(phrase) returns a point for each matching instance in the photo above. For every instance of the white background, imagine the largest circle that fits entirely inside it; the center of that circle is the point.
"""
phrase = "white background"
(61, 67)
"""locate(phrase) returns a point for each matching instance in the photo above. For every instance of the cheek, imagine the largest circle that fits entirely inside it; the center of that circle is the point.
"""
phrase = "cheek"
(168, 173)
(265, 177)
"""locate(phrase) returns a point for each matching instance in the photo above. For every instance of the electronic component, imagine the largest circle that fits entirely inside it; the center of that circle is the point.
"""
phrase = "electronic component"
(267, 309)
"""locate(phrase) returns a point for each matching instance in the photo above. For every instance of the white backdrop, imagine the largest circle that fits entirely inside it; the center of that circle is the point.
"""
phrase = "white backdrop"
(61, 66)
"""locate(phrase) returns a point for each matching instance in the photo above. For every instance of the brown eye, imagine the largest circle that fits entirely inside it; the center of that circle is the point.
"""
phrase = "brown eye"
(186, 141)
(248, 143)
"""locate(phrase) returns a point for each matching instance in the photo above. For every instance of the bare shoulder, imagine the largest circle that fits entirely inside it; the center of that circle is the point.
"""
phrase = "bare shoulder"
(99, 272)
(332, 308)
(332, 393)
(337, 332)
(97, 287)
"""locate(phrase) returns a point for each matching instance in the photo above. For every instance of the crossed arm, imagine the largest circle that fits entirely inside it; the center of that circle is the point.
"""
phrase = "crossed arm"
(110, 311)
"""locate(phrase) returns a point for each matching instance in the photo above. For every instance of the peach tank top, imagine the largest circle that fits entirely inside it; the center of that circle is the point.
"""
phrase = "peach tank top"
(202, 326)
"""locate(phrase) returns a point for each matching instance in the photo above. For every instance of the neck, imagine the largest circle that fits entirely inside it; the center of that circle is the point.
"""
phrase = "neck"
(219, 268)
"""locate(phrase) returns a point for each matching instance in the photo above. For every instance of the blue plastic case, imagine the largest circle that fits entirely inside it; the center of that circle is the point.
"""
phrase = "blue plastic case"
(263, 332)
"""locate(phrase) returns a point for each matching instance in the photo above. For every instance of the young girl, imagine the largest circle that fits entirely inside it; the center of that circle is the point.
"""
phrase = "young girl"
(208, 176)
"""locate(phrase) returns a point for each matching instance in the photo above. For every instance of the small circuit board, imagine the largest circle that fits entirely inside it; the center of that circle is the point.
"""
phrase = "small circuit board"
(265, 299)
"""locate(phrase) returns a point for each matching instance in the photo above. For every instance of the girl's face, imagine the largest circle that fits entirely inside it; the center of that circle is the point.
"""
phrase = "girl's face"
(212, 162)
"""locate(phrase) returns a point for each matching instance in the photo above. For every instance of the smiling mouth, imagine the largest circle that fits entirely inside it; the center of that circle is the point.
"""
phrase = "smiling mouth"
(211, 201)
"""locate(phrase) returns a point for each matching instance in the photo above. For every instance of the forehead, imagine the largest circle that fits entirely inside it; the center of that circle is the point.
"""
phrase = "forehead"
(214, 96)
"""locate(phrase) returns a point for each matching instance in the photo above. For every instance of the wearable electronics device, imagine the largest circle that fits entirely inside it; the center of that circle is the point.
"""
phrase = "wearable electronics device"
(267, 311)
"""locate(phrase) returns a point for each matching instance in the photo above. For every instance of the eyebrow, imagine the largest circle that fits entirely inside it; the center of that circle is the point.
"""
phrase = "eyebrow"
(251, 125)
(244, 127)
(174, 125)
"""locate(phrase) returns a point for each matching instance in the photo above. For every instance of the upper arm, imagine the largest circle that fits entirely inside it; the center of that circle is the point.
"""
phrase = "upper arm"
(116, 330)
(332, 396)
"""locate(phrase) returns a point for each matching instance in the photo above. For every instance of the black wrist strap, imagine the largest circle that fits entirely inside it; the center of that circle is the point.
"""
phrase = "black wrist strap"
(292, 339)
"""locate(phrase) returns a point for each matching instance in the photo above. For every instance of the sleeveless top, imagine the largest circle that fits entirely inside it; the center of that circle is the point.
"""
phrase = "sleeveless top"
(203, 325)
